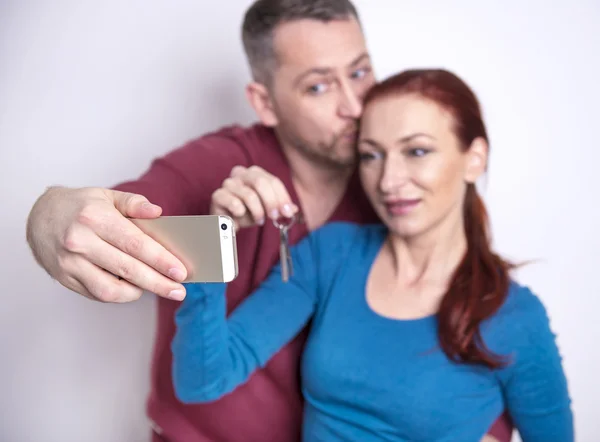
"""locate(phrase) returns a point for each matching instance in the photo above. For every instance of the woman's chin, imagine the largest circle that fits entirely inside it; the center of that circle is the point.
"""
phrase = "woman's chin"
(402, 227)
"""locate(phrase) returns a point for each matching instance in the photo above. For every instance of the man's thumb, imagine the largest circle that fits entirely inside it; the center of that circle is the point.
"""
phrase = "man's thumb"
(134, 206)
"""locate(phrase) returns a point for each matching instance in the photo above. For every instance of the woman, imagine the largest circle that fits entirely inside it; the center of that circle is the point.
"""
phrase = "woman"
(418, 331)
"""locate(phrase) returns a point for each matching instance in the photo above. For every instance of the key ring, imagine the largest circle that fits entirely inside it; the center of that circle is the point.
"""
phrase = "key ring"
(284, 222)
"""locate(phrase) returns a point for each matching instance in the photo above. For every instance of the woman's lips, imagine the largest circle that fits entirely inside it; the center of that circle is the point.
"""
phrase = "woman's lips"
(401, 206)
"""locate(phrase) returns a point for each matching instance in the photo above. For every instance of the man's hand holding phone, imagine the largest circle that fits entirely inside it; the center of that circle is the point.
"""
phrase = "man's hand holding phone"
(84, 238)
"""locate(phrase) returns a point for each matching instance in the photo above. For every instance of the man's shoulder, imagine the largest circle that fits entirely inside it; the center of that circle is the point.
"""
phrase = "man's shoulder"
(253, 138)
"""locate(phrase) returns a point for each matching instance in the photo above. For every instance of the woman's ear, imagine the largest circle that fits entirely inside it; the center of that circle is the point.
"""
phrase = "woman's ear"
(477, 158)
(260, 99)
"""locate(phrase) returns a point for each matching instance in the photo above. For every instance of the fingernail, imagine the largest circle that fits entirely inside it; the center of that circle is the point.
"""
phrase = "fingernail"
(261, 222)
(148, 206)
(287, 210)
(177, 295)
(274, 213)
(176, 274)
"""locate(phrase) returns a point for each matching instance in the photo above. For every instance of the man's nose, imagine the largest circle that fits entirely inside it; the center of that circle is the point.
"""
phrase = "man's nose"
(350, 102)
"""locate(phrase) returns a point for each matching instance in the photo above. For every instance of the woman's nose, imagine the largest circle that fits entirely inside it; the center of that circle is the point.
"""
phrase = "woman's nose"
(395, 174)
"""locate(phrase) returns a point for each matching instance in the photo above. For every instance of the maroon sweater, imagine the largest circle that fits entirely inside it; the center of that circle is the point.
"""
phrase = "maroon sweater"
(268, 408)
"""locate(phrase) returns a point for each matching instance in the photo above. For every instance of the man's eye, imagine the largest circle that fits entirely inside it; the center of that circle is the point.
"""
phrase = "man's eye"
(360, 73)
(317, 88)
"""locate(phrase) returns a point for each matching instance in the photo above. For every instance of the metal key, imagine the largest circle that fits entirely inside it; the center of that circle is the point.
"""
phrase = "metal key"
(283, 225)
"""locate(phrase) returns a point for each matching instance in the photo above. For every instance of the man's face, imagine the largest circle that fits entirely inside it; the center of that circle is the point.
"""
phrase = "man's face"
(322, 75)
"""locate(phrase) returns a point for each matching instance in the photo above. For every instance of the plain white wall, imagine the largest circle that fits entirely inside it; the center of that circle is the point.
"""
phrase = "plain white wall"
(90, 92)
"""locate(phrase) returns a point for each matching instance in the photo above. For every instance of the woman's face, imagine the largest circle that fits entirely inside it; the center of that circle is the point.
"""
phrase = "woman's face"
(412, 166)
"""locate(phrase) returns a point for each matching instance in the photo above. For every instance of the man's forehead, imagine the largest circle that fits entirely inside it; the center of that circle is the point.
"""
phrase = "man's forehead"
(305, 44)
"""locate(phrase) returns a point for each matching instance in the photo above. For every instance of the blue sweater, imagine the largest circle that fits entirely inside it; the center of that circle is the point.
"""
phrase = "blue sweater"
(366, 377)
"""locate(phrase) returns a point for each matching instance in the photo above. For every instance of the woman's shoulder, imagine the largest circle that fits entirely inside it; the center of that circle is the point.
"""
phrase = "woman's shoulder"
(348, 231)
(347, 235)
(521, 300)
(521, 316)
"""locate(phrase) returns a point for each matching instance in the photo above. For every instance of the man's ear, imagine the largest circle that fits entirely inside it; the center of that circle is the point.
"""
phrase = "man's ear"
(260, 99)
(477, 158)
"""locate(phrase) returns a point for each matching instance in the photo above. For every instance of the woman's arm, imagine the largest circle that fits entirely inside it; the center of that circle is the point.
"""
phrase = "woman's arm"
(535, 384)
(212, 354)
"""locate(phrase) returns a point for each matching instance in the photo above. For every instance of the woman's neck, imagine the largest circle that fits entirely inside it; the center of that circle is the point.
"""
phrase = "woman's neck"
(430, 258)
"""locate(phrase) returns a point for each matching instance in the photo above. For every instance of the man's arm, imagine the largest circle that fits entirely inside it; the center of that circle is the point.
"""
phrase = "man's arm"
(82, 237)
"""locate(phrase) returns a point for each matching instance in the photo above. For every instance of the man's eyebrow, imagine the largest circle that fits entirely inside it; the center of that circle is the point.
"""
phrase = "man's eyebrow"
(320, 71)
(326, 71)
(358, 59)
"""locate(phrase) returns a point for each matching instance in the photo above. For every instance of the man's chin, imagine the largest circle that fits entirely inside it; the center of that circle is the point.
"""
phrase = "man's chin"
(348, 163)
(339, 156)
(342, 161)
(348, 158)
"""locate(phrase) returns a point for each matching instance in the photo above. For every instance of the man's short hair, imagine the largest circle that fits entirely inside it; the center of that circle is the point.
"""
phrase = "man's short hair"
(264, 16)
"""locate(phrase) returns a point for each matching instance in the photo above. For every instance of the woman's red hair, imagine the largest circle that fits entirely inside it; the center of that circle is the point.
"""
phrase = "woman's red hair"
(479, 285)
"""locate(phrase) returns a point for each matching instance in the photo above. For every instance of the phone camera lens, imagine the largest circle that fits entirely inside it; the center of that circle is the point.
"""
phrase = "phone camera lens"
(223, 226)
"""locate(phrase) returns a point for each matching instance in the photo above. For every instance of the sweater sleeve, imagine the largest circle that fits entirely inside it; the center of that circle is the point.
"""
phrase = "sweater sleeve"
(182, 181)
(212, 354)
(535, 385)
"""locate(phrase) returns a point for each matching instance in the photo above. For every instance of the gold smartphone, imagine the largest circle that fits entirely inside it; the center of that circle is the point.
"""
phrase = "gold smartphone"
(205, 244)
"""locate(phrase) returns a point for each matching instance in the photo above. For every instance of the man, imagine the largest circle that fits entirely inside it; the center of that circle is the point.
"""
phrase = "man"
(310, 69)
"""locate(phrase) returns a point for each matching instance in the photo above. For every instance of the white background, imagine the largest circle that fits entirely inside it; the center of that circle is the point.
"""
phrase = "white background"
(90, 92)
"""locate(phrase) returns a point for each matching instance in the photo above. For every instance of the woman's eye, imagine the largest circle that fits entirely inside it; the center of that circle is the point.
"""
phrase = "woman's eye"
(367, 156)
(418, 151)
